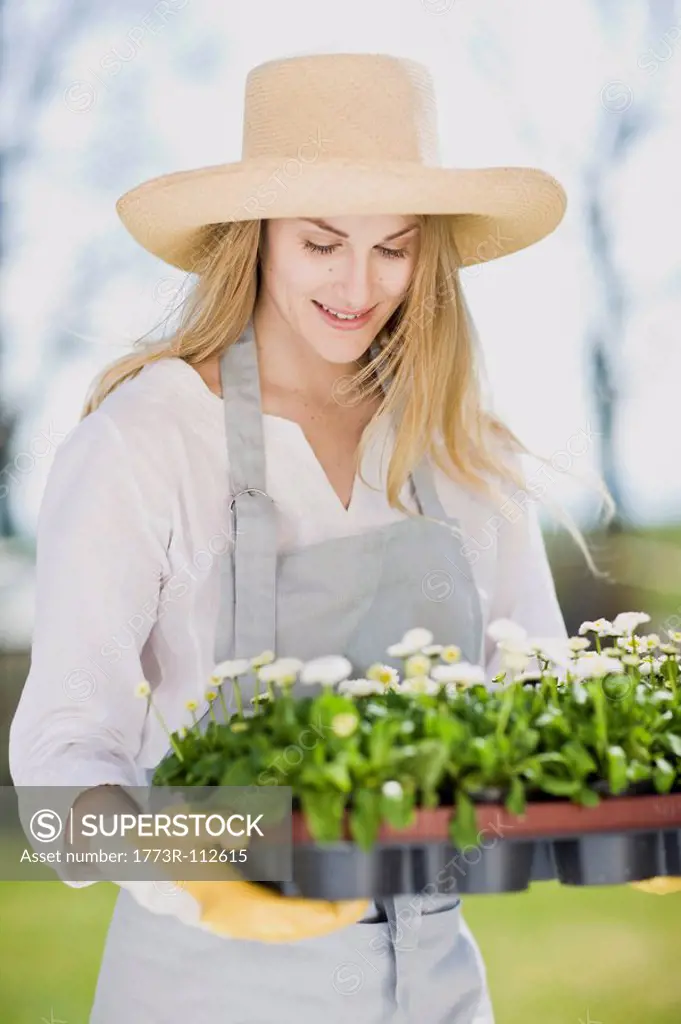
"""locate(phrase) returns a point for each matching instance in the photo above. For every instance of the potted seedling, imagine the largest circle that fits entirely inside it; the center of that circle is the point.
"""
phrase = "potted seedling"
(435, 776)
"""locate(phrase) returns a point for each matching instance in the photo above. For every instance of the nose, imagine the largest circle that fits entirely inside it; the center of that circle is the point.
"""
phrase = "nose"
(355, 286)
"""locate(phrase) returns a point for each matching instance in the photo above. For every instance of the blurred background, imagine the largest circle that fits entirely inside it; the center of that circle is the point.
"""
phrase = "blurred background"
(580, 335)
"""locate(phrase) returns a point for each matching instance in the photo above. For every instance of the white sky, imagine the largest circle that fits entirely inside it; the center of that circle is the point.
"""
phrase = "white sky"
(517, 81)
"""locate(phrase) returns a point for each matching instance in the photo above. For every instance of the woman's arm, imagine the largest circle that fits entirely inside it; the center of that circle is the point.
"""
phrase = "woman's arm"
(101, 554)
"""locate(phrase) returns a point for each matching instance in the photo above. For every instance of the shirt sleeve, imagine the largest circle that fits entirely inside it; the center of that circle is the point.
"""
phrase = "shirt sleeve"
(101, 554)
(525, 590)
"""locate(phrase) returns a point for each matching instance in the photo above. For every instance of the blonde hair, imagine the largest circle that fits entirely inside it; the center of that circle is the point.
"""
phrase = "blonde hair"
(428, 361)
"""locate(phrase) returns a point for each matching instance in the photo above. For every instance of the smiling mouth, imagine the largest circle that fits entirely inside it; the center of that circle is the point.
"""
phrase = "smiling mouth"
(341, 315)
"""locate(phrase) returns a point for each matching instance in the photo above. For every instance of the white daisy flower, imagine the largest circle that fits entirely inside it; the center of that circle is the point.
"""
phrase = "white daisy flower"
(392, 790)
(592, 668)
(432, 650)
(344, 724)
(265, 658)
(399, 650)
(329, 670)
(578, 643)
(230, 669)
(283, 670)
(514, 659)
(506, 631)
(627, 622)
(419, 685)
(417, 665)
(417, 638)
(602, 627)
(554, 649)
(360, 688)
(383, 674)
(645, 644)
(463, 672)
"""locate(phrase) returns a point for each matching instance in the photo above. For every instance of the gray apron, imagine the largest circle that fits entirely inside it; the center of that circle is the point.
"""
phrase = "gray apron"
(409, 959)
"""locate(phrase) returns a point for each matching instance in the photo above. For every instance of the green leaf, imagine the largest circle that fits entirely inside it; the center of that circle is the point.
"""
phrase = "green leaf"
(381, 740)
(579, 758)
(323, 813)
(399, 813)
(429, 763)
(617, 769)
(463, 825)
(579, 693)
(673, 743)
(365, 817)
(486, 749)
(663, 776)
(238, 773)
(337, 773)
(515, 801)
(587, 797)
(560, 787)
(526, 741)
(638, 772)
(600, 702)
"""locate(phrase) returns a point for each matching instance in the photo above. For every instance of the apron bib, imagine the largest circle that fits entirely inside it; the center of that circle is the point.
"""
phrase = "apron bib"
(408, 959)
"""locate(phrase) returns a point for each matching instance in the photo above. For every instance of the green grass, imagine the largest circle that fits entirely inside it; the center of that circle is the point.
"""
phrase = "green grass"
(552, 953)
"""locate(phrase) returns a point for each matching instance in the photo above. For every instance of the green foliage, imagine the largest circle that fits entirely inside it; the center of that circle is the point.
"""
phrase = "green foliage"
(570, 740)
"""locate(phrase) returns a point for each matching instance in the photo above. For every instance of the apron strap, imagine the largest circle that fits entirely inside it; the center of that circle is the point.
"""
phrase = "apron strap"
(253, 513)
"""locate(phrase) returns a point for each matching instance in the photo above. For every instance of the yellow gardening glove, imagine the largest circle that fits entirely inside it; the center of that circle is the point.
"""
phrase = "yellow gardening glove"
(247, 910)
(660, 886)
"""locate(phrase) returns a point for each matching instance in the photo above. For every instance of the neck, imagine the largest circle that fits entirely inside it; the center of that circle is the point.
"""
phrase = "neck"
(287, 364)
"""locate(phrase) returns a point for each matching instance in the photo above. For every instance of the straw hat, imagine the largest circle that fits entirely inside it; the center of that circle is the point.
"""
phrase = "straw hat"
(334, 134)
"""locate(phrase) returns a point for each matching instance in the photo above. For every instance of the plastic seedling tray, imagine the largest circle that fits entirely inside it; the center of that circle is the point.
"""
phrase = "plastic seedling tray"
(624, 839)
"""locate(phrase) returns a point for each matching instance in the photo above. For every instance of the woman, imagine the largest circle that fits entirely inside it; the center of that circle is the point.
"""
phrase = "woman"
(225, 493)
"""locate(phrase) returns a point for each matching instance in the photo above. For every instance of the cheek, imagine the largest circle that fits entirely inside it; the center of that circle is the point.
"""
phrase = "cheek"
(293, 279)
(395, 278)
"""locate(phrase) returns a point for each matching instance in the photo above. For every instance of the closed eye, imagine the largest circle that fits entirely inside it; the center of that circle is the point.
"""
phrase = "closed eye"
(328, 249)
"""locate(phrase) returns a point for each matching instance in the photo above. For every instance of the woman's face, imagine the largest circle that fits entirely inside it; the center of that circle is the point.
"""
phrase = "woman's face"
(359, 267)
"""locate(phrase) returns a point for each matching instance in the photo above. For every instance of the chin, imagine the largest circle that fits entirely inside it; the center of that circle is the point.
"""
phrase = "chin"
(342, 351)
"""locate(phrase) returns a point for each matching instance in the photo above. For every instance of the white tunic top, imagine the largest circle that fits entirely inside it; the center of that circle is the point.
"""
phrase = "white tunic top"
(132, 523)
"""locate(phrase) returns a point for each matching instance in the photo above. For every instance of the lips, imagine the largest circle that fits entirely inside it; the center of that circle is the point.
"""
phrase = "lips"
(346, 322)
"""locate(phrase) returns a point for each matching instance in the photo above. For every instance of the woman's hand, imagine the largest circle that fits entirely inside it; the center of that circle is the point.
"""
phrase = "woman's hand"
(239, 909)
(246, 910)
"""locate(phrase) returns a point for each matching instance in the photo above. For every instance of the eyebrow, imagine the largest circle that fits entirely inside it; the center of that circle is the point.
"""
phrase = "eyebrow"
(335, 231)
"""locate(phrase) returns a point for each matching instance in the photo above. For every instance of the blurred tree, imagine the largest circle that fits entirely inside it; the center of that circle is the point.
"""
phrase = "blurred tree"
(627, 115)
(39, 34)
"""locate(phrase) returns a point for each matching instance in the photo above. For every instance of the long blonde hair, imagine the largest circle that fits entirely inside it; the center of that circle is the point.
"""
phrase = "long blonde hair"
(428, 363)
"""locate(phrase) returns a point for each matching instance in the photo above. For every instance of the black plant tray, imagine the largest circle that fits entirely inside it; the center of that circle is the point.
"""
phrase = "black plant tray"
(624, 839)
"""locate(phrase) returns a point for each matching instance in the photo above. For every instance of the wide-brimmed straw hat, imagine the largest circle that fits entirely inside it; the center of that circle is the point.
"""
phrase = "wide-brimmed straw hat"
(334, 134)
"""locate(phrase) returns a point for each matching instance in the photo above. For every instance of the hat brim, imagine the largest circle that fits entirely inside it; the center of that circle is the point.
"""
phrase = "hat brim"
(499, 210)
